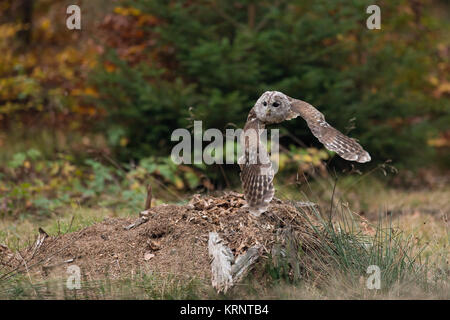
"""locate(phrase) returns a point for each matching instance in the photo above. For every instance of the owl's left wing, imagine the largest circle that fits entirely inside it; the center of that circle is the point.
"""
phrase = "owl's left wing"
(332, 139)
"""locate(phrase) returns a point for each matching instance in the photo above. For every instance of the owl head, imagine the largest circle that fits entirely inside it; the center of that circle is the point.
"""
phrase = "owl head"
(273, 107)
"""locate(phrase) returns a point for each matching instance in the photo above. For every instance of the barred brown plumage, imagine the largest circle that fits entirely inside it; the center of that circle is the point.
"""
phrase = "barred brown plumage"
(256, 170)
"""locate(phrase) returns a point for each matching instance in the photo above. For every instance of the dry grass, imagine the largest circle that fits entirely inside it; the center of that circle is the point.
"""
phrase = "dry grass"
(19, 233)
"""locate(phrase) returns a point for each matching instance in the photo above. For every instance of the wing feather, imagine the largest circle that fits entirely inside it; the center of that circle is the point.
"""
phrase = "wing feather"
(334, 140)
(256, 177)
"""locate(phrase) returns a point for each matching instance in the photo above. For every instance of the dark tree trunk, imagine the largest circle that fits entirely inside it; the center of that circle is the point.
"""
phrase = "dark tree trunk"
(25, 13)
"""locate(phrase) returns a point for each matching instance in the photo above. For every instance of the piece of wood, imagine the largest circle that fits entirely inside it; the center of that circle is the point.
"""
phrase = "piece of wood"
(226, 271)
(306, 205)
(244, 262)
(143, 215)
(221, 259)
(46, 268)
(137, 222)
(39, 241)
(291, 251)
(148, 201)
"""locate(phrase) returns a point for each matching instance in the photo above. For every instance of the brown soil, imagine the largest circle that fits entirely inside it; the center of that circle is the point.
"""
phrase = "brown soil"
(174, 240)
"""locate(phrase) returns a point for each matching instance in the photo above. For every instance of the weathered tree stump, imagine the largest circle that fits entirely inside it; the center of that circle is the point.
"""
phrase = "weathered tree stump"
(227, 270)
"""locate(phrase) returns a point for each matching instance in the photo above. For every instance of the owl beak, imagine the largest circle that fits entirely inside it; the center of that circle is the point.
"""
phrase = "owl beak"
(268, 112)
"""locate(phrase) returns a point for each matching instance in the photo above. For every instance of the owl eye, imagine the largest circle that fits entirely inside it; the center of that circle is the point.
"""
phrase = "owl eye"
(264, 103)
(275, 104)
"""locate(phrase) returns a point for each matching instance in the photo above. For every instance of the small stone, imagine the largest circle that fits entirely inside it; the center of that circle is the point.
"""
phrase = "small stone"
(148, 256)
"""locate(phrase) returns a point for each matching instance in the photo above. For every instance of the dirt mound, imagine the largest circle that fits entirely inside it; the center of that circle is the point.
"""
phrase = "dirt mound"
(173, 240)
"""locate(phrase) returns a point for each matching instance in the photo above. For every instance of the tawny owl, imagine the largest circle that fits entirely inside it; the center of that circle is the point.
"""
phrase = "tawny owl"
(256, 169)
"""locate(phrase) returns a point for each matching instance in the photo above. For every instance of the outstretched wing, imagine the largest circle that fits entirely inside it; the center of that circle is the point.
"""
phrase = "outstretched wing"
(331, 138)
(256, 169)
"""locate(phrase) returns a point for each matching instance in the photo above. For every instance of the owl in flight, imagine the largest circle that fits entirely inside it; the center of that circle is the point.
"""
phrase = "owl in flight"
(256, 169)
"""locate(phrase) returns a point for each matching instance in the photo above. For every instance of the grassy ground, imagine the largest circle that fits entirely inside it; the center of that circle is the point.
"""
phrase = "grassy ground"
(411, 244)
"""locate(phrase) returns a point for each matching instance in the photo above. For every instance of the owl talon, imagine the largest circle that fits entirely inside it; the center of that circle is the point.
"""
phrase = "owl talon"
(256, 212)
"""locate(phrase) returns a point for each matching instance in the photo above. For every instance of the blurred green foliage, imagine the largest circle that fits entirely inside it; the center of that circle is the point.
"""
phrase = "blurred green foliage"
(32, 185)
(121, 86)
(210, 60)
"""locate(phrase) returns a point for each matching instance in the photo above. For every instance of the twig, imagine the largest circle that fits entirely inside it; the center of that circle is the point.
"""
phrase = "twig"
(70, 225)
(48, 267)
(108, 158)
(28, 273)
(16, 270)
(148, 201)
(224, 15)
(332, 199)
(39, 241)
(225, 176)
(165, 187)
(266, 19)
(143, 215)
(251, 13)
(137, 223)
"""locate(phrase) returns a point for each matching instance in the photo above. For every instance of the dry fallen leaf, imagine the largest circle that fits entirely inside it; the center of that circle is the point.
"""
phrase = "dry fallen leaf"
(154, 245)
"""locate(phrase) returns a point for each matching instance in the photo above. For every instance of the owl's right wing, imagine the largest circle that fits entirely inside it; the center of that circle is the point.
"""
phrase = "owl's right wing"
(256, 169)
(331, 138)
(257, 184)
